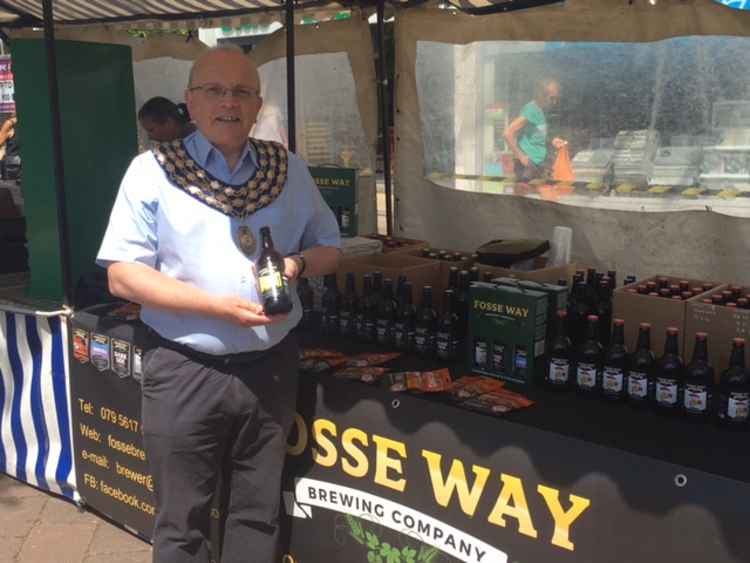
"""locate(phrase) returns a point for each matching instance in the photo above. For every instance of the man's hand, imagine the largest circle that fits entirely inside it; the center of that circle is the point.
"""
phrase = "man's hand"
(559, 143)
(292, 267)
(523, 159)
(241, 312)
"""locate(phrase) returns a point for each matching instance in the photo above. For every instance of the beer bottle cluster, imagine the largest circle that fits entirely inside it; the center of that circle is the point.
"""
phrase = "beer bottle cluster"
(612, 373)
(732, 297)
(661, 287)
(385, 314)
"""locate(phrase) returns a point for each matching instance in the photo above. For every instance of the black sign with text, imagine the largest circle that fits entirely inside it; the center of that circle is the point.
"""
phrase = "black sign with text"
(373, 476)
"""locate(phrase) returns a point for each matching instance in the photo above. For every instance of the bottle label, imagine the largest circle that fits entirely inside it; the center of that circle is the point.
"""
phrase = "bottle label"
(586, 376)
(612, 380)
(738, 406)
(269, 280)
(559, 370)
(666, 392)
(521, 359)
(480, 353)
(445, 346)
(345, 220)
(368, 329)
(498, 357)
(696, 399)
(423, 340)
(382, 331)
(638, 385)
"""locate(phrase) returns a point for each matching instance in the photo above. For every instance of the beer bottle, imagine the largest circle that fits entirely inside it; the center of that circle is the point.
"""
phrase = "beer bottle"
(274, 288)
(497, 358)
(403, 327)
(699, 381)
(474, 274)
(591, 287)
(377, 287)
(447, 332)
(400, 285)
(615, 372)
(365, 306)
(453, 278)
(734, 389)
(386, 314)
(604, 311)
(349, 308)
(330, 302)
(307, 300)
(480, 353)
(640, 382)
(612, 275)
(578, 312)
(559, 365)
(669, 374)
(424, 333)
(589, 358)
(462, 300)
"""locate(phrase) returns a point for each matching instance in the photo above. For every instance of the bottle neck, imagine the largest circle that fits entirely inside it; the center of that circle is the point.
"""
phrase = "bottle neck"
(670, 346)
(592, 330)
(427, 300)
(737, 359)
(700, 351)
(644, 340)
(618, 335)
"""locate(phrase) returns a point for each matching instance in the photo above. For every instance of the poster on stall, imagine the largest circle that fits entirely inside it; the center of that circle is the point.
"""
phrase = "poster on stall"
(7, 100)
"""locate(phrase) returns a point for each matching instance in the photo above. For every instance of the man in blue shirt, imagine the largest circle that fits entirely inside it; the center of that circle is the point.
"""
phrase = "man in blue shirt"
(219, 384)
(527, 134)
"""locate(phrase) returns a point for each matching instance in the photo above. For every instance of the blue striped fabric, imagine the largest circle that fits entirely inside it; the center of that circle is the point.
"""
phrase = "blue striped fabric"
(736, 4)
(35, 432)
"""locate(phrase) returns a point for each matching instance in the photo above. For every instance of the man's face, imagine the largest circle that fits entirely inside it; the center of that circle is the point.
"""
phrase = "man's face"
(551, 94)
(225, 120)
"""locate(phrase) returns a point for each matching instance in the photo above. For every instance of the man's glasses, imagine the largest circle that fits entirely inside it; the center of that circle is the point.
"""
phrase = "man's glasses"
(216, 92)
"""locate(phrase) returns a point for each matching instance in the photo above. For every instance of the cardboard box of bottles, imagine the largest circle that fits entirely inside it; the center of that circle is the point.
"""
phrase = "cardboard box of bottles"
(398, 245)
(660, 312)
(722, 325)
(507, 331)
(445, 269)
(338, 186)
(558, 295)
(541, 273)
(418, 271)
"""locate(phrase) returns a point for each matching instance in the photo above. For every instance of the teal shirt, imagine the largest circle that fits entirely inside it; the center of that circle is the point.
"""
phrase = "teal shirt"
(533, 138)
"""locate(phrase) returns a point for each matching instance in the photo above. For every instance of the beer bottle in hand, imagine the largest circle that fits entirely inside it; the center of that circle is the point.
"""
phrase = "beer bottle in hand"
(669, 374)
(734, 389)
(699, 381)
(615, 369)
(273, 286)
(640, 381)
(589, 358)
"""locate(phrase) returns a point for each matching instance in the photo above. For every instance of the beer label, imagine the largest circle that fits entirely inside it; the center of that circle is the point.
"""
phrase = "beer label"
(81, 345)
(498, 357)
(121, 357)
(369, 329)
(559, 369)
(666, 391)
(480, 353)
(521, 359)
(423, 340)
(382, 331)
(137, 364)
(345, 220)
(738, 406)
(269, 279)
(696, 398)
(612, 380)
(399, 334)
(446, 346)
(638, 385)
(586, 376)
(100, 351)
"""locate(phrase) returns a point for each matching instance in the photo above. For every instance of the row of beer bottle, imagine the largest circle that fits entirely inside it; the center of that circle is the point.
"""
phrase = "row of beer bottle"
(665, 382)
(387, 316)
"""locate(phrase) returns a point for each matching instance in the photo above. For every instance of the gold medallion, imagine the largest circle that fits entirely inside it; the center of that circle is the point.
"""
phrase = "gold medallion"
(248, 244)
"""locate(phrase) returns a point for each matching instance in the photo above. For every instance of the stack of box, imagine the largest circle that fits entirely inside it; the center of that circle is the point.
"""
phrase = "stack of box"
(507, 331)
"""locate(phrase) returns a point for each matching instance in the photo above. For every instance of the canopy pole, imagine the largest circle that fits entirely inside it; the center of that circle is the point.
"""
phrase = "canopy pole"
(290, 86)
(57, 155)
(383, 92)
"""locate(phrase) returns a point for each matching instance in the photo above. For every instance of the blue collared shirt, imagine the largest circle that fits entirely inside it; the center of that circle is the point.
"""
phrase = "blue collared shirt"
(159, 225)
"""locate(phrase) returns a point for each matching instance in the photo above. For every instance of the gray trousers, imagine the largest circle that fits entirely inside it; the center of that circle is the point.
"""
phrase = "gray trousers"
(203, 416)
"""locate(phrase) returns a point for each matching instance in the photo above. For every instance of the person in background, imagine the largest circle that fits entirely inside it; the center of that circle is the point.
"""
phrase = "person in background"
(164, 120)
(219, 385)
(527, 134)
(10, 150)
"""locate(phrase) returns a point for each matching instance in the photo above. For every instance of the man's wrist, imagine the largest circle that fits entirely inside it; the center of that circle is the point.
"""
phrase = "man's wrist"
(301, 264)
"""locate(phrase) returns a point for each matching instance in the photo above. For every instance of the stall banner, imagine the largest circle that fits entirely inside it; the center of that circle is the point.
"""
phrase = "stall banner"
(378, 477)
(35, 431)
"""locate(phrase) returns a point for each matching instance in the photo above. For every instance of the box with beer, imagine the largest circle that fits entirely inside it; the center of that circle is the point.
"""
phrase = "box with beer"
(723, 313)
(557, 294)
(338, 186)
(507, 331)
(661, 301)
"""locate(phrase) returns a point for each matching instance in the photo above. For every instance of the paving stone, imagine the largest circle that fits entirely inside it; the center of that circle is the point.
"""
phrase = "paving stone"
(57, 543)
(131, 557)
(61, 511)
(18, 515)
(9, 548)
(108, 538)
(11, 488)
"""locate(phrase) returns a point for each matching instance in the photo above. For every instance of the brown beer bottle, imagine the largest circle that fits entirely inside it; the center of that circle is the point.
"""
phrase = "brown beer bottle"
(274, 288)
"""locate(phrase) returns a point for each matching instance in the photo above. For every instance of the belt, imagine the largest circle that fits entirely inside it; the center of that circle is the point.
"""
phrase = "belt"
(157, 340)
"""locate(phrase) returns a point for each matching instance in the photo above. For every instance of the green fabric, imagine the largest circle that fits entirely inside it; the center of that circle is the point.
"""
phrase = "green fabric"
(533, 138)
